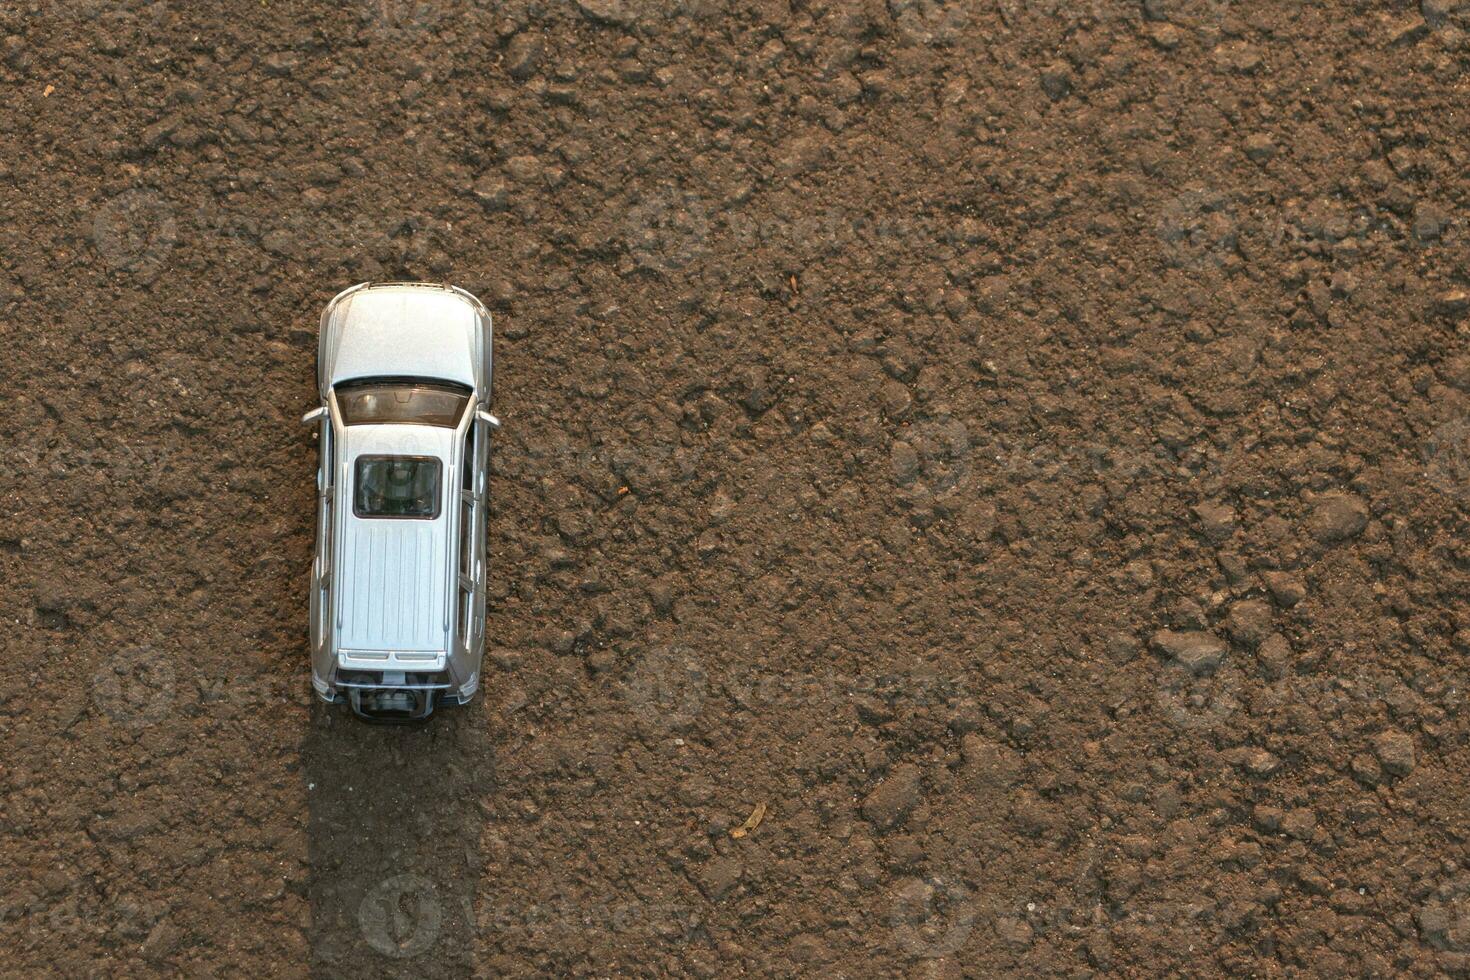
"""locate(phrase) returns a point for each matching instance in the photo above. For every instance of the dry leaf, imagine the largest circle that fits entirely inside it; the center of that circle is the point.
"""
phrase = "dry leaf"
(751, 822)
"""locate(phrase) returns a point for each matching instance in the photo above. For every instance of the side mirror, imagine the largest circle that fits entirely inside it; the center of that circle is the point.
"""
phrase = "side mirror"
(487, 418)
(315, 415)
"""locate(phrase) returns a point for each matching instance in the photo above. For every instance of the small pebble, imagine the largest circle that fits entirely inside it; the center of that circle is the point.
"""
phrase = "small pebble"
(281, 63)
(1238, 56)
(1285, 588)
(1195, 649)
(1260, 147)
(606, 11)
(1056, 80)
(1216, 520)
(1407, 30)
(1267, 818)
(1299, 823)
(1164, 35)
(1337, 517)
(1274, 654)
(522, 55)
(890, 803)
(1366, 769)
(1259, 762)
(1249, 621)
(1430, 221)
(1396, 751)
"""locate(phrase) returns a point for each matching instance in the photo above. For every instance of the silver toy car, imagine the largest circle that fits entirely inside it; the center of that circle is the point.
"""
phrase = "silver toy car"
(398, 584)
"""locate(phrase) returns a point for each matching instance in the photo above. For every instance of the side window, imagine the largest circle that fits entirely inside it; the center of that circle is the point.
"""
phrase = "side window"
(466, 507)
(326, 520)
(466, 613)
(468, 483)
(466, 607)
(327, 490)
(328, 451)
(467, 539)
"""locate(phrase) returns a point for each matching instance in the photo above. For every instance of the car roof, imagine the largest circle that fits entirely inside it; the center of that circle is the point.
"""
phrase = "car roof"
(395, 577)
(397, 439)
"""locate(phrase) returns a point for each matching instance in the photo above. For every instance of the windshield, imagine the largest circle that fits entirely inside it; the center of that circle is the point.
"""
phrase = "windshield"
(396, 486)
(414, 402)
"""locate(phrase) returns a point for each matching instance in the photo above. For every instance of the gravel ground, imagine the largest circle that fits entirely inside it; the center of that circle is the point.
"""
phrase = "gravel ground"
(983, 489)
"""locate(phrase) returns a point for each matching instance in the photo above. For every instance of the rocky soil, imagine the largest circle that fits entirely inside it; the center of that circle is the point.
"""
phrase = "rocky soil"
(1022, 445)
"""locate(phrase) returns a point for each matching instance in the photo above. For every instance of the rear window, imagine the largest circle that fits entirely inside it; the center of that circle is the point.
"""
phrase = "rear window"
(397, 486)
(379, 403)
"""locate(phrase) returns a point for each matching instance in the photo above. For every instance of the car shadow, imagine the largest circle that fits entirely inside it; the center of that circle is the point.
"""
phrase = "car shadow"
(394, 842)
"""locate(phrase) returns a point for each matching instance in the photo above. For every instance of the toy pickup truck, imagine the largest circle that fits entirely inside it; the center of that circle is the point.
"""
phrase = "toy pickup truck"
(398, 582)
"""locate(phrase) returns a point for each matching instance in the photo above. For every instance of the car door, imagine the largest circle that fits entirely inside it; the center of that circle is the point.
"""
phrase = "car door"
(321, 566)
(471, 545)
(482, 530)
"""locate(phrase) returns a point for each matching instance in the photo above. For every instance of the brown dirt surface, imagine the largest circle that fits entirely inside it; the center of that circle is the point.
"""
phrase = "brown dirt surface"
(1025, 444)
